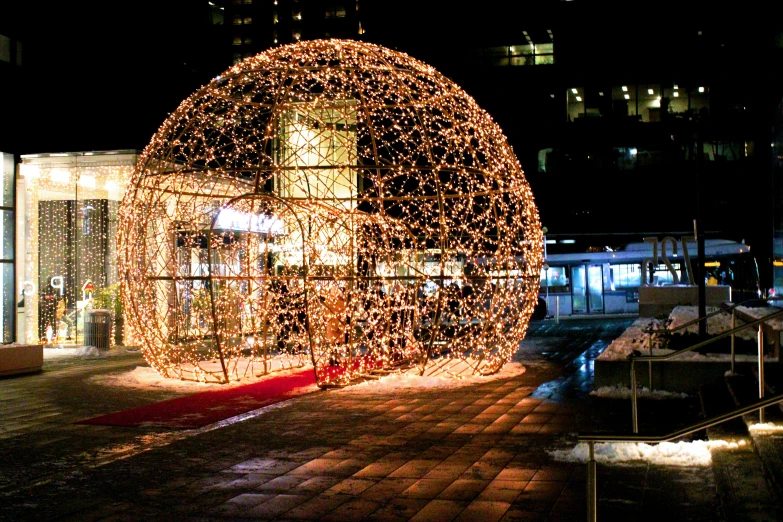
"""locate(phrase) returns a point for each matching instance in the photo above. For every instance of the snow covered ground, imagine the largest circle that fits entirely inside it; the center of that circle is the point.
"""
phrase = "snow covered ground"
(145, 377)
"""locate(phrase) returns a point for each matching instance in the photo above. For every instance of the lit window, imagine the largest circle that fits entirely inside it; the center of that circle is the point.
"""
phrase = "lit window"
(676, 94)
(236, 41)
(625, 88)
(248, 20)
(627, 96)
(650, 91)
(578, 98)
(574, 91)
(335, 11)
(701, 89)
(248, 41)
(297, 35)
(247, 2)
(237, 21)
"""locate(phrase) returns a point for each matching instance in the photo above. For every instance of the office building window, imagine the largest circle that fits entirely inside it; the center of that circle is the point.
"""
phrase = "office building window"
(5, 49)
(517, 55)
(335, 11)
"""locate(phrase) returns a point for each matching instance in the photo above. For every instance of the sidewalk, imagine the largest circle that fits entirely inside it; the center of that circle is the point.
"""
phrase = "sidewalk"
(478, 452)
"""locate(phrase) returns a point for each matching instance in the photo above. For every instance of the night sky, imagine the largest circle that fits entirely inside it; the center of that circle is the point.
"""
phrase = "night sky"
(105, 75)
(102, 77)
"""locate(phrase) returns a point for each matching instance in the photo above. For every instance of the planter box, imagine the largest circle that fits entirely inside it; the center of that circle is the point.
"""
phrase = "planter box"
(20, 358)
(657, 301)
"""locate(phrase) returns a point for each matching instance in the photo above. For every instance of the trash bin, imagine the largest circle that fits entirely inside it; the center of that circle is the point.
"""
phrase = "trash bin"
(97, 328)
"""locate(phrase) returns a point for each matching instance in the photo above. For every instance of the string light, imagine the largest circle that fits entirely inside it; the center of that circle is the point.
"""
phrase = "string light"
(70, 234)
(332, 202)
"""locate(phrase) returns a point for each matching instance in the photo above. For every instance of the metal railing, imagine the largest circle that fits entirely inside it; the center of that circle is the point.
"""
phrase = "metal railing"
(732, 332)
(723, 309)
(592, 438)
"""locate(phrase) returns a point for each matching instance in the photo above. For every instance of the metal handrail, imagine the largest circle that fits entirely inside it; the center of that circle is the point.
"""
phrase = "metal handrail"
(723, 309)
(592, 438)
(758, 322)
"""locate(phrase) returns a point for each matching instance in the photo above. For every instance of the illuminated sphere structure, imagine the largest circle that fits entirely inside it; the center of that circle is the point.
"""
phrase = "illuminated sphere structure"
(329, 202)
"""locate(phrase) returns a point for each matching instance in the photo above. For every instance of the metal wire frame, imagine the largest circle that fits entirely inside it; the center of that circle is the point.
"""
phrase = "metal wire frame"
(328, 202)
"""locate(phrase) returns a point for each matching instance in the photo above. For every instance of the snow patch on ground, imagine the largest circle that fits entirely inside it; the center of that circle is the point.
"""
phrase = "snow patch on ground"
(623, 392)
(766, 427)
(83, 352)
(695, 453)
(147, 378)
(411, 380)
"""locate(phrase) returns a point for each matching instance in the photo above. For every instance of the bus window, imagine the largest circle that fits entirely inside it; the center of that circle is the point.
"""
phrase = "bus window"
(627, 275)
(662, 276)
(558, 280)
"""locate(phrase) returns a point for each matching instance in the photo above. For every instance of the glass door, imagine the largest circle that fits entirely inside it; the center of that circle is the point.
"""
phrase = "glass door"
(579, 290)
(595, 287)
(587, 289)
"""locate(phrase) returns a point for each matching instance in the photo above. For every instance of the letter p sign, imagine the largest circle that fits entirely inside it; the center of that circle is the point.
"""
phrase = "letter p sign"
(59, 283)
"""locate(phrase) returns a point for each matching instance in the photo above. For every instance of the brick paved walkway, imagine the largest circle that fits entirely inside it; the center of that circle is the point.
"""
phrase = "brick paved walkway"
(474, 453)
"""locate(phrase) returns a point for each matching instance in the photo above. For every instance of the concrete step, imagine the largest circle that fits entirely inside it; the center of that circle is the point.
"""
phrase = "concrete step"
(744, 488)
(716, 398)
(769, 447)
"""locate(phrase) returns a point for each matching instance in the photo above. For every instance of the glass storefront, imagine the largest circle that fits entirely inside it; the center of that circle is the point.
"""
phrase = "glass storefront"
(69, 260)
(7, 220)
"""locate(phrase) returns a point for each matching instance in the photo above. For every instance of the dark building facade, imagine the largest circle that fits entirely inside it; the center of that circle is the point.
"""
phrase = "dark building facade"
(629, 120)
(247, 27)
(11, 71)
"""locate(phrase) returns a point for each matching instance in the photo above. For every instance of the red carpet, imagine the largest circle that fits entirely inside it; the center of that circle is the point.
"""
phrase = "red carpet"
(200, 409)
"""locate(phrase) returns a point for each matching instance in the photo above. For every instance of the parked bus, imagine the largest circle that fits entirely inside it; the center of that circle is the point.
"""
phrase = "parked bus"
(608, 282)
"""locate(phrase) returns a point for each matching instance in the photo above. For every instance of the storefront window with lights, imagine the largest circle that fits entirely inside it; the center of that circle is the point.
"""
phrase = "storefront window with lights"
(67, 262)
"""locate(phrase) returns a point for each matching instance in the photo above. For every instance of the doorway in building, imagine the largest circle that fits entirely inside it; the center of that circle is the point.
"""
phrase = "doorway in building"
(587, 289)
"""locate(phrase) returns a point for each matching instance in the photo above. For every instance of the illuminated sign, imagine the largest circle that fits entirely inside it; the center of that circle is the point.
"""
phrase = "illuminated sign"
(230, 219)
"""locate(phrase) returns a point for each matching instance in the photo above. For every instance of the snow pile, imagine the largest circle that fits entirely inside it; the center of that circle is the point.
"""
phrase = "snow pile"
(84, 352)
(633, 338)
(623, 392)
(144, 377)
(717, 324)
(765, 428)
(695, 453)
(411, 380)
(636, 338)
